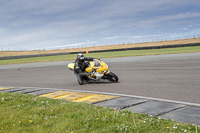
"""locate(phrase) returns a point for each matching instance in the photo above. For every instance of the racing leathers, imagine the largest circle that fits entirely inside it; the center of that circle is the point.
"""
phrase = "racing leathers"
(79, 67)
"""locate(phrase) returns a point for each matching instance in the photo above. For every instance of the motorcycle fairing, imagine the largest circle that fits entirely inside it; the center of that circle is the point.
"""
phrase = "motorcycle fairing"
(71, 66)
(100, 66)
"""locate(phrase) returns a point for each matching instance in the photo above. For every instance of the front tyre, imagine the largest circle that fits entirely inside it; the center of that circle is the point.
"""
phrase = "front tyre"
(112, 77)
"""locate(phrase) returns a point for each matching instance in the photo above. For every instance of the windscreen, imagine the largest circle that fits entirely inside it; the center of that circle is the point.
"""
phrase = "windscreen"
(96, 63)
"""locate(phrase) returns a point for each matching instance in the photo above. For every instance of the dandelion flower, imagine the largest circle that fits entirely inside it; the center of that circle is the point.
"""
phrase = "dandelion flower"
(20, 122)
(105, 115)
(2, 99)
(13, 125)
(167, 127)
(30, 121)
(97, 118)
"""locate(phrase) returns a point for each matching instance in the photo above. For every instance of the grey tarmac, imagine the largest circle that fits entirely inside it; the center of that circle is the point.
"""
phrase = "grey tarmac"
(173, 77)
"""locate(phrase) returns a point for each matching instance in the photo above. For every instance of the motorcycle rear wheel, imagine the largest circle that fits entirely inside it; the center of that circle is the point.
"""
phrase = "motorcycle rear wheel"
(112, 77)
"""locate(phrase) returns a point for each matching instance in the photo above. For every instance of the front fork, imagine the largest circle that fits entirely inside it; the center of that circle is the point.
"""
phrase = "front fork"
(107, 72)
(106, 75)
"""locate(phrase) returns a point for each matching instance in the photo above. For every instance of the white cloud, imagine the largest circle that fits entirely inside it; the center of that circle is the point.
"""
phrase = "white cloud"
(111, 37)
(147, 36)
(186, 15)
(74, 44)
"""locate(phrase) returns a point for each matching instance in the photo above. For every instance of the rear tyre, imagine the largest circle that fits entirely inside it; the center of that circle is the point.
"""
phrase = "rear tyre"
(112, 77)
(80, 79)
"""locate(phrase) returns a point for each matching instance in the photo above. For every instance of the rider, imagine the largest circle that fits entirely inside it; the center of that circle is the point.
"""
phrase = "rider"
(81, 63)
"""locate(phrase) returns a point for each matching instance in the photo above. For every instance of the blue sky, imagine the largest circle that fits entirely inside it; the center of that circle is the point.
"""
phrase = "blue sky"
(53, 24)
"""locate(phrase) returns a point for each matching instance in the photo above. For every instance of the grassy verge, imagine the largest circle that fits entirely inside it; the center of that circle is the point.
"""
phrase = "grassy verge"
(26, 113)
(104, 55)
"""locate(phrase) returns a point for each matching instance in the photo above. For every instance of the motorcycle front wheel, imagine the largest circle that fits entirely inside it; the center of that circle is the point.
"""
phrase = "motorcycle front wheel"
(112, 77)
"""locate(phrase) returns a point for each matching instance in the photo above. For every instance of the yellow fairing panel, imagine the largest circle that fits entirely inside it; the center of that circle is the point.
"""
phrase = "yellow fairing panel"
(99, 69)
(103, 67)
(71, 65)
(89, 69)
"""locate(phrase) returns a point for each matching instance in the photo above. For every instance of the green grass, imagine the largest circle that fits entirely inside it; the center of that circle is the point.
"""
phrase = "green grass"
(104, 55)
(26, 113)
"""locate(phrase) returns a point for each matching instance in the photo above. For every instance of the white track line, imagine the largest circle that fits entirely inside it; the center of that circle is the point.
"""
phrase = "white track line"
(142, 97)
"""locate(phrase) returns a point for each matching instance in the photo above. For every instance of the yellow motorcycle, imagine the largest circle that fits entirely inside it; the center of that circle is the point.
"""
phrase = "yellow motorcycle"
(98, 70)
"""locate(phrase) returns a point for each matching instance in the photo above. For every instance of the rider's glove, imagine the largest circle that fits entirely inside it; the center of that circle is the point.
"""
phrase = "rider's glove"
(87, 64)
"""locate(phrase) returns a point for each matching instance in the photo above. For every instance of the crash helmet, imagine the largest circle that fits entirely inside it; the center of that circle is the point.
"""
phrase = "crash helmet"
(80, 57)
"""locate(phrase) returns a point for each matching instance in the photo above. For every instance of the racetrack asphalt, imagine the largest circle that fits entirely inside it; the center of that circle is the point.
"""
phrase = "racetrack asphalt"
(172, 77)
